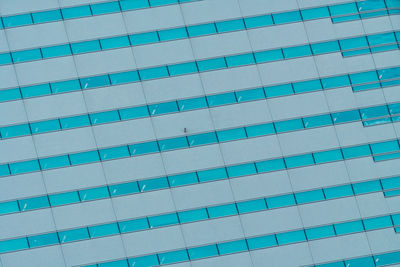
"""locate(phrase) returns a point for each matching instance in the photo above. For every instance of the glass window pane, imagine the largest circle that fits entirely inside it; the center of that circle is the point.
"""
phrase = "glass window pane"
(387, 258)
(364, 77)
(76, 12)
(267, 56)
(328, 156)
(337, 81)
(307, 86)
(270, 165)
(85, 47)
(35, 90)
(356, 151)
(203, 252)
(153, 73)
(212, 175)
(338, 191)
(73, 235)
(54, 162)
(115, 42)
(119, 263)
(46, 16)
(173, 34)
(259, 130)
(391, 183)
(346, 116)
(123, 189)
(173, 143)
(16, 130)
(192, 215)
(291, 237)
(232, 247)
(287, 17)
(389, 73)
(13, 245)
(153, 184)
(382, 38)
(133, 113)
(297, 51)
(221, 99)
(367, 187)
(114, 153)
(43, 240)
(163, 220)
(364, 262)
(353, 43)
(145, 261)
(26, 55)
(10, 94)
(202, 29)
(34, 203)
(105, 8)
(320, 232)
(5, 59)
(84, 157)
(94, 193)
(343, 9)
(249, 95)
(222, 210)
(192, 103)
(9, 207)
(133, 225)
(289, 125)
(279, 90)
(232, 134)
(241, 170)
(280, 201)
(56, 51)
(17, 20)
(309, 196)
(103, 230)
(211, 64)
(45, 126)
(202, 139)
(163, 108)
(144, 148)
(24, 167)
(317, 121)
(4, 170)
(66, 86)
(258, 21)
(325, 47)
(230, 25)
(240, 60)
(377, 223)
(133, 4)
(184, 68)
(251, 205)
(173, 256)
(124, 77)
(315, 13)
(64, 198)
(384, 147)
(183, 179)
(299, 161)
(97, 81)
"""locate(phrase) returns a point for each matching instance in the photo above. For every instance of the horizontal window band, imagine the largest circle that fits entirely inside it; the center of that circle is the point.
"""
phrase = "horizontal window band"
(184, 68)
(369, 115)
(258, 242)
(190, 31)
(82, 11)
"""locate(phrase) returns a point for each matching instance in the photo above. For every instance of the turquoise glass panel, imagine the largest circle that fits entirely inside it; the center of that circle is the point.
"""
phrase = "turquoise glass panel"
(153, 73)
(67, 86)
(251, 205)
(297, 51)
(346, 116)
(173, 256)
(184, 68)
(35, 90)
(9, 207)
(232, 247)
(364, 77)
(17, 20)
(387, 156)
(24, 167)
(364, 6)
(212, 175)
(76, 12)
(162, 2)
(96, 81)
(258, 21)
(104, 117)
(173, 143)
(222, 210)
(105, 8)
(133, 225)
(202, 29)
(173, 34)
(325, 47)
(343, 9)
(262, 242)
(384, 147)
(315, 13)
(133, 4)
(94, 193)
(203, 252)
(367, 187)
(232, 134)
(287, 17)
(43, 240)
(389, 73)
(124, 77)
(123, 189)
(144, 148)
(250, 95)
(84, 157)
(5, 59)
(54, 162)
(328, 156)
(377, 223)
(45, 126)
(85, 47)
(289, 125)
(394, 108)
(4, 170)
(153, 184)
(309, 196)
(356, 151)
(192, 215)
(270, 165)
(192, 103)
(299, 161)
(320, 232)
(114, 153)
(134, 113)
(119, 263)
(34, 203)
(114, 42)
(163, 220)
(10, 94)
(259, 130)
(267, 56)
(26, 55)
(241, 170)
(379, 111)
(279, 90)
(145, 261)
(291, 237)
(280, 201)
(230, 25)
(183, 179)
(103, 230)
(202, 139)
(364, 262)
(64, 198)
(16, 130)
(334, 82)
(382, 38)
(240, 60)
(73, 235)
(13, 245)
(387, 258)
(317, 121)
(46, 16)
(56, 51)
(391, 183)
(352, 43)
(338, 191)
(211, 64)
(163, 108)
(221, 99)
(307, 86)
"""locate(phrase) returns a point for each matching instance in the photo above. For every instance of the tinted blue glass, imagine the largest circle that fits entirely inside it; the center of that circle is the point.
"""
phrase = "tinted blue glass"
(270, 165)
(9, 207)
(76, 12)
(94, 193)
(259, 21)
(266, 56)
(104, 8)
(17, 130)
(172, 34)
(232, 247)
(123, 189)
(291, 237)
(251, 205)
(26, 55)
(173, 143)
(307, 86)
(5, 58)
(211, 175)
(289, 125)
(384, 147)
(370, 5)
(183, 179)
(232, 134)
(298, 161)
(133, 113)
(173, 256)
(320, 232)
(387, 258)
(192, 103)
(287, 17)
(202, 29)
(346, 116)
(202, 139)
(378, 39)
(316, 121)
(33, 203)
(13, 244)
(104, 117)
(124, 77)
(221, 99)
(356, 52)
(114, 153)
(120, 263)
(133, 225)
(56, 51)
(203, 252)
(389, 73)
(84, 157)
(43, 240)
(46, 16)
(162, 2)
(334, 82)
(17, 20)
(25, 166)
(35, 90)
(365, 87)
(309, 196)
(394, 108)
(64, 198)
(163, 220)
(85, 47)
(4, 170)
(258, 130)
(96, 81)
(192, 215)
(143, 148)
(328, 156)
(364, 77)
(153, 184)
(144, 261)
(183, 68)
(240, 170)
(315, 13)
(387, 156)
(325, 47)
(222, 210)
(114, 42)
(343, 9)
(280, 201)
(297, 51)
(262, 242)
(103, 230)
(390, 183)
(353, 43)
(153, 73)
(163, 108)
(338, 191)
(73, 235)
(211, 64)
(67, 86)
(377, 223)
(45, 126)
(10, 94)
(279, 90)
(367, 113)
(367, 187)
(364, 262)
(230, 25)
(133, 4)
(54, 162)
(356, 151)
(240, 60)
(249, 95)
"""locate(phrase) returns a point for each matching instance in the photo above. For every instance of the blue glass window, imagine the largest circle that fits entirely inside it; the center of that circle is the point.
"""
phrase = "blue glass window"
(240, 170)
(353, 43)
(337, 81)
(309, 196)
(270, 165)
(150, 260)
(25, 166)
(365, 262)
(315, 13)
(287, 17)
(377, 223)
(76, 12)
(173, 256)
(43, 240)
(202, 139)
(85, 47)
(317, 121)
(173, 143)
(259, 21)
(289, 125)
(172, 34)
(211, 175)
(320, 232)
(54, 162)
(34, 203)
(192, 215)
(279, 90)
(394, 108)
(84, 157)
(67, 86)
(346, 116)
(221, 99)
(153, 73)
(291, 237)
(232, 134)
(364, 77)
(367, 187)
(64, 198)
(5, 58)
(35, 90)
(378, 39)
(104, 117)
(163, 108)
(192, 103)
(162, 2)
(368, 113)
(4, 170)
(387, 258)
(73, 235)
(133, 113)
(124, 77)
(103, 230)
(163, 220)
(230, 25)
(17, 130)
(46, 16)
(133, 225)
(56, 51)
(222, 210)
(232, 247)
(325, 47)
(96, 81)
(153, 184)
(202, 29)
(328, 156)
(45, 126)
(183, 179)
(370, 5)
(211, 64)
(344, 9)
(240, 60)
(389, 73)
(356, 151)
(384, 147)
(133, 4)
(17, 20)
(13, 244)
(338, 191)
(123, 189)
(9, 207)
(115, 42)
(267, 56)
(144, 148)
(251, 205)
(114, 153)
(118, 263)
(298, 161)
(203, 252)
(307, 86)
(104, 8)
(94, 193)
(280, 201)
(183, 68)
(262, 242)
(249, 95)
(26, 55)
(297, 51)
(391, 183)
(259, 130)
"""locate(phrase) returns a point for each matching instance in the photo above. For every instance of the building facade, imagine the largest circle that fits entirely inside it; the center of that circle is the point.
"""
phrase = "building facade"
(199, 133)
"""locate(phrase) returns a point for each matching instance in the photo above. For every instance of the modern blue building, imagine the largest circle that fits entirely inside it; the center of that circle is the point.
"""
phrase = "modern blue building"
(199, 133)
